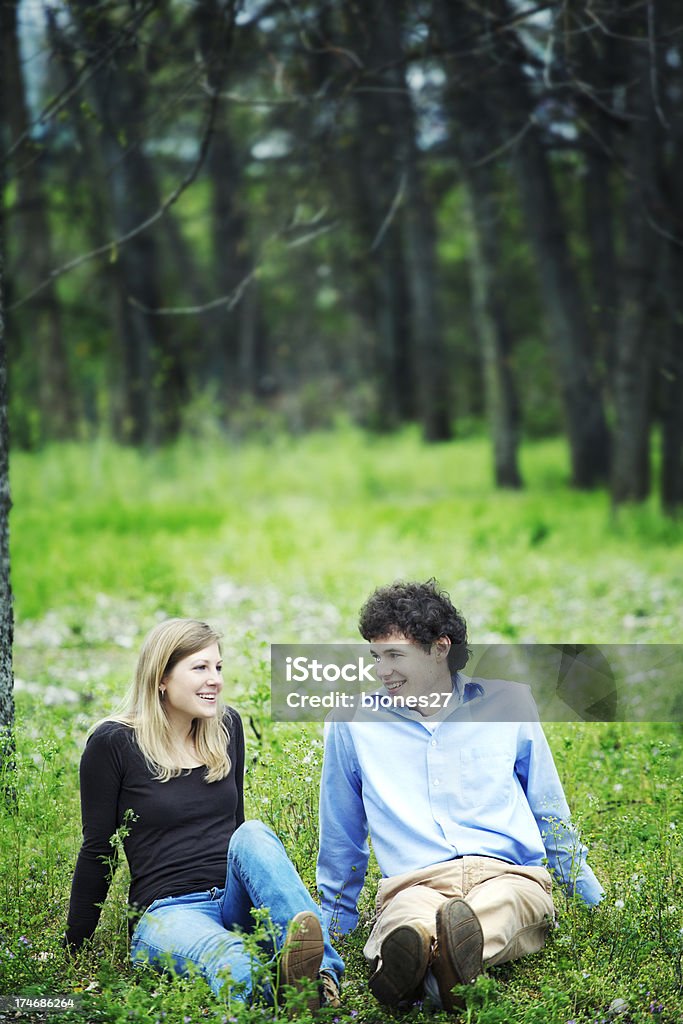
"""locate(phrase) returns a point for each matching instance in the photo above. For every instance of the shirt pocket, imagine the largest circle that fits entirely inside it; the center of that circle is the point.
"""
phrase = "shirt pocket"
(486, 777)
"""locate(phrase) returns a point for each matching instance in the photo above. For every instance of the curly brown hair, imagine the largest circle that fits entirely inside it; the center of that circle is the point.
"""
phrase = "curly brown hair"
(422, 612)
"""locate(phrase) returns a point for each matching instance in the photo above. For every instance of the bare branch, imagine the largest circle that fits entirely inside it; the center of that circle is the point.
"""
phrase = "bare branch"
(620, 116)
(256, 101)
(386, 223)
(231, 300)
(91, 66)
(508, 144)
(117, 243)
(335, 50)
(324, 46)
(675, 240)
(615, 35)
(299, 99)
(654, 65)
(305, 239)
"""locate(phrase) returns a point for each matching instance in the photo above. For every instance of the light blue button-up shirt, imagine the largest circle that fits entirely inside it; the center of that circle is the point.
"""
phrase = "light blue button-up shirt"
(476, 778)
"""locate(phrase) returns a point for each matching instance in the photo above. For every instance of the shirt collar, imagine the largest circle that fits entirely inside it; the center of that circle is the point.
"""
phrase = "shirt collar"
(462, 691)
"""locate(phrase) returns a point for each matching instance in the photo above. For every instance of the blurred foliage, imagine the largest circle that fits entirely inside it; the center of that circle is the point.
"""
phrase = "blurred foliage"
(296, 264)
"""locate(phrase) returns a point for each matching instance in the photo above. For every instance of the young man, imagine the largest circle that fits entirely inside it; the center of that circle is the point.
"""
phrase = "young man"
(456, 784)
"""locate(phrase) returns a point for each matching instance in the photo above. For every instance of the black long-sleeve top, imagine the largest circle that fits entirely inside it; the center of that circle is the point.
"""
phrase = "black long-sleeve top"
(177, 834)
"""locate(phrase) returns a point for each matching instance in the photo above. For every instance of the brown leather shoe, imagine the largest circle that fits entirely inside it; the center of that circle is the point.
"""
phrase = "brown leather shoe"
(302, 954)
(330, 994)
(458, 951)
(403, 962)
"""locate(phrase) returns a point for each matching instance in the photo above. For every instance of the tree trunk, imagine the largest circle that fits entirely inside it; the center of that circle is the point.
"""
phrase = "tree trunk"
(86, 175)
(506, 96)
(598, 200)
(494, 333)
(133, 197)
(379, 40)
(571, 336)
(366, 173)
(6, 611)
(473, 131)
(382, 288)
(671, 385)
(255, 370)
(359, 165)
(231, 340)
(433, 368)
(237, 343)
(642, 253)
(154, 385)
(591, 60)
(671, 370)
(30, 255)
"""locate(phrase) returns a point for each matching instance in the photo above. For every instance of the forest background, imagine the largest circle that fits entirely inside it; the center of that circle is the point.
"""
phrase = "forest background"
(304, 297)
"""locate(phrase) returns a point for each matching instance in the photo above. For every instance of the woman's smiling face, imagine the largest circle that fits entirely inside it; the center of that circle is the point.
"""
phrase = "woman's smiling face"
(192, 688)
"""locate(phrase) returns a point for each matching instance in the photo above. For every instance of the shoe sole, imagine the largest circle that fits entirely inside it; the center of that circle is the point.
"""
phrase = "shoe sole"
(302, 954)
(461, 945)
(405, 955)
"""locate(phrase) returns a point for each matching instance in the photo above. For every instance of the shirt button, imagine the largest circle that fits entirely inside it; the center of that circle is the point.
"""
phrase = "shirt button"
(433, 743)
(436, 782)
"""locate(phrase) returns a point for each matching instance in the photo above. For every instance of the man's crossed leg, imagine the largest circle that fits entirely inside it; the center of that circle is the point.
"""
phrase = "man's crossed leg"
(446, 921)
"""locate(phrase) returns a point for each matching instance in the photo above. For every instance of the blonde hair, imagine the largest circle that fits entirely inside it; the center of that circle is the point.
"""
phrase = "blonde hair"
(143, 709)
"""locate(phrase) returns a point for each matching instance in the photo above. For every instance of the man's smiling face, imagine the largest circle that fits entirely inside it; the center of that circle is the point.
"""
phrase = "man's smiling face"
(407, 669)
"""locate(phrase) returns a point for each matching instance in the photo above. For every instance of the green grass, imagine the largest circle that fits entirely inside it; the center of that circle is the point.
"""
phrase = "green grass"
(281, 540)
(333, 515)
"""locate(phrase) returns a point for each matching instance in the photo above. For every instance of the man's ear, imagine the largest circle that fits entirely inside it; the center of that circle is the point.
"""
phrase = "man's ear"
(443, 646)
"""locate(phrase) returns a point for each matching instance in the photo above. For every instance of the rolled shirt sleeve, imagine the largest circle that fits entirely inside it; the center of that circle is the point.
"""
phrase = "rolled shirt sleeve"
(567, 855)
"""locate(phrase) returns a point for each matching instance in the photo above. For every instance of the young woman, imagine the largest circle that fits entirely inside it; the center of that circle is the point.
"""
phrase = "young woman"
(168, 773)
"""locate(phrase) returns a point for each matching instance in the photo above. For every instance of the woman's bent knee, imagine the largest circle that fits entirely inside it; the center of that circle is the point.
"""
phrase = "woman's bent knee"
(250, 837)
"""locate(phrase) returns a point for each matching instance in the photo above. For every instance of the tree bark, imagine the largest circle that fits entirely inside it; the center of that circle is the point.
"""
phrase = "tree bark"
(154, 384)
(671, 367)
(570, 329)
(588, 70)
(599, 65)
(639, 273)
(473, 130)
(6, 607)
(379, 40)
(368, 178)
(492, 62)
(355, 154)
(382, 274)
(671, 384)
(232, 343)
(237, 349)
(433, 368)
(599, 220)
(494, 333)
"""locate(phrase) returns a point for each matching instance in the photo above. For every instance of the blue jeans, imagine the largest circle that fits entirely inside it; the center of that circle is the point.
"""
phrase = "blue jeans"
(205, 929)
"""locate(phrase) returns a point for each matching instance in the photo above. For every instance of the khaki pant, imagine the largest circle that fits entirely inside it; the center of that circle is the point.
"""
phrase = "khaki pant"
(513, 903)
